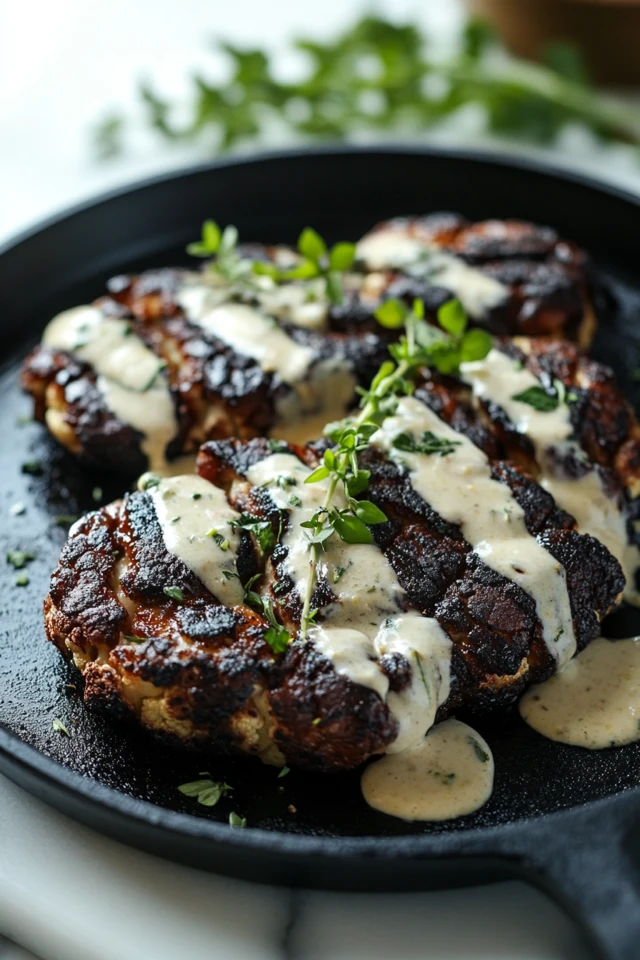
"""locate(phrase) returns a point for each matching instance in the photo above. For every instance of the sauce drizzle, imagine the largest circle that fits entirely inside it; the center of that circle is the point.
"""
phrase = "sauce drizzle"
(460, 488)
(130, 376)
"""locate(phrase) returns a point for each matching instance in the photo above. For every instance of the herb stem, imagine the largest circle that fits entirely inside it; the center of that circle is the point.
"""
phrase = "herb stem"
(313, 563)
(383, 389)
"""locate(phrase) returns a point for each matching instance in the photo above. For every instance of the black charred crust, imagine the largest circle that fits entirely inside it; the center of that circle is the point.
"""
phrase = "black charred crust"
(206, 621)
(594, 578)
(491, 619)
(496, 622)
(548, 279)
(351, 721)
(398, 670)
(81, 589)
(549, 287)
(152, 567)
(238, 456)
(540, 510)
(491, 240)
(99, 433)
(426, 564)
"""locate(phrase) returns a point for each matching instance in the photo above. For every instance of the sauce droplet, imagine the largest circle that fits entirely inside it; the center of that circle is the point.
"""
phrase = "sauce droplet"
(448, 775)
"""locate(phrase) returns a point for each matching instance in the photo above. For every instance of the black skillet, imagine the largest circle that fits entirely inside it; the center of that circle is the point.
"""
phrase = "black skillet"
(564, 818)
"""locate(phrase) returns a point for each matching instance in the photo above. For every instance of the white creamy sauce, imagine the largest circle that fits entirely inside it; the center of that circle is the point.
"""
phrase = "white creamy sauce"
(130, 375)
(195, 519)
(367, 620)
(254, 334)
(460, 488)
(449, 774)
(303, 302)
(388, 249)
(499, 378)
(326, 387)
(594, 701)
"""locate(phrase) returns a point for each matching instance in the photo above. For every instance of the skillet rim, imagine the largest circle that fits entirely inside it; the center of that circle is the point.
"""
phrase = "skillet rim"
(488, 157)
(28, 761)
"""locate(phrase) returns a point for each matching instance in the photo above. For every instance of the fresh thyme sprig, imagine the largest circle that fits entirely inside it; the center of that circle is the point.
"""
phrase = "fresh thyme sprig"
(420, 345)
(316, 260)
(378, 76)
(221, 248)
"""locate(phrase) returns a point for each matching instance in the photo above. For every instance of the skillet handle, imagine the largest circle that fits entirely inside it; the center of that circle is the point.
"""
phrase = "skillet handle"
(592, 868)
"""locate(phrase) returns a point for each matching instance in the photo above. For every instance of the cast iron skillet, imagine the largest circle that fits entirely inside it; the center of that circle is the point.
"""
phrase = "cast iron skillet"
(565, 818)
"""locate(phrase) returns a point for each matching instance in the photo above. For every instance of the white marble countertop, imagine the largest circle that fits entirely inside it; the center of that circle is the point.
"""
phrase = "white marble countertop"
(65, 892)
(69, 894)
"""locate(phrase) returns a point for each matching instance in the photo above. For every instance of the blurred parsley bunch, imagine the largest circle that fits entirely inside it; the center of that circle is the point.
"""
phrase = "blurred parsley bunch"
(380, 76)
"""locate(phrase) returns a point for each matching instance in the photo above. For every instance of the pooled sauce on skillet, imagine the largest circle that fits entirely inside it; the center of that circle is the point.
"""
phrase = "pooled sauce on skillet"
(594, 701)
(449, 774)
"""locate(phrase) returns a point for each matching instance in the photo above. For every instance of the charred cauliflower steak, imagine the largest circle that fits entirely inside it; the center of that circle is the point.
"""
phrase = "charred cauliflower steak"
(181, 604)
(171, 358)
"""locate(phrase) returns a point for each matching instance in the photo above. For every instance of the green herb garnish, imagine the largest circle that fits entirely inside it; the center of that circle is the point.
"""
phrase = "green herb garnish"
(218, 538)
(22, 580)
(338, 95)
(149, 481)
(19, 558)
(428, 443)
(480, 753)
(418, 660)
(420, 345)
(277, 446)
(32, 467)
(544, 400)
(285, 771)
(66, 519)
(261, 530)
(207, 792)
(175, 593)
(236, 821)
(59, 727)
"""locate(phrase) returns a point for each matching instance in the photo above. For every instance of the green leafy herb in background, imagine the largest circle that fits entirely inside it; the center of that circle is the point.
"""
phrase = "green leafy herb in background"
(380, 76)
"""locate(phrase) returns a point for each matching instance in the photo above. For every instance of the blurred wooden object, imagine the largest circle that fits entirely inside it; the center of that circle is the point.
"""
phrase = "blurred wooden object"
(606, 31)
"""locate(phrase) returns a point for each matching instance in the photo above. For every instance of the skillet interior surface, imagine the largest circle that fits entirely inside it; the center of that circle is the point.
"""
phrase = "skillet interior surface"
(340, 193)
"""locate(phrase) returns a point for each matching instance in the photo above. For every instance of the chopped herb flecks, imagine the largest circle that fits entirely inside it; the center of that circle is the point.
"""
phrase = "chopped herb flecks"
(207, 792)
(236, 821)
(59, 727)
(175, 593)
(480, 753)
(428, 443)
(19, 558)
